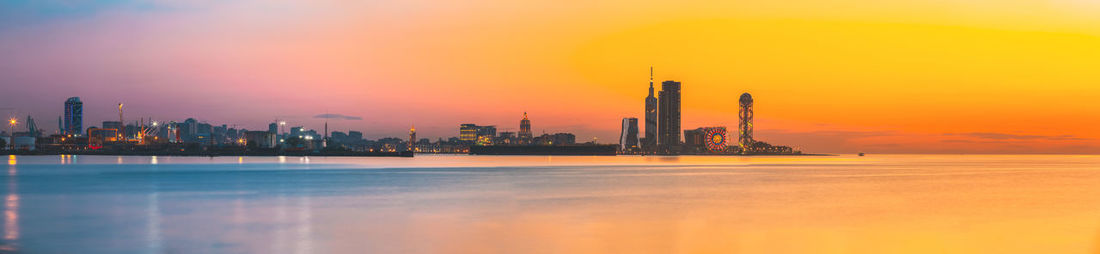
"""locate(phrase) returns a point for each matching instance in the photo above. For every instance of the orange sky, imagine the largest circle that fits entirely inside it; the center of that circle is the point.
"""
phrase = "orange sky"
(952, 76)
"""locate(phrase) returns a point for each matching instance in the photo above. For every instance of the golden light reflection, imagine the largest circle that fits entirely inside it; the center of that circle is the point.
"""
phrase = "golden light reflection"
(11, 160)
(11, 208)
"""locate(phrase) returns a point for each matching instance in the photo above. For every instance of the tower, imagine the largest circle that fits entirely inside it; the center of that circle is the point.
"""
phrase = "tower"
(121, 124)
(744, 126)
(650, 145)
(74, 116)
(628, 137)
(412, 138)
(668, 120)
(524, 129)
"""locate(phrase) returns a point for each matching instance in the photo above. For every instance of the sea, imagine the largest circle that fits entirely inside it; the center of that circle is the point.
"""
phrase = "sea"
(551, 204)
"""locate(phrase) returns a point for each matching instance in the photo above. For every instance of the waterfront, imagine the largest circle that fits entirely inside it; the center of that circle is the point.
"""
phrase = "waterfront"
(544, 204)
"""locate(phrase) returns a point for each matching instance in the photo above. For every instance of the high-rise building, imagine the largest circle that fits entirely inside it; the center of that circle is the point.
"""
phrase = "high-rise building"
(628, 136)
(668, 120)
(273, 128)
(74, 117)
(744, 126)
(650, 145)
(525, 129)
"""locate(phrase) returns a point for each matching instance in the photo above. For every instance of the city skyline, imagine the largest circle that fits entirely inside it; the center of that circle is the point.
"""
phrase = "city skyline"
(900, 77)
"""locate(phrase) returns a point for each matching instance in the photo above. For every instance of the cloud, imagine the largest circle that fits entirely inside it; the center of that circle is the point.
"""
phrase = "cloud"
(1007, 136)
(337, 116)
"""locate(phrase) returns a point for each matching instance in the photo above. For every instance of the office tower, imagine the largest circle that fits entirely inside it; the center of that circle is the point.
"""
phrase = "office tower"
(668, 120)
(628, 136)
(273, 128)
(650, 145)
(525, 129)
(74, 117)
(744, 126)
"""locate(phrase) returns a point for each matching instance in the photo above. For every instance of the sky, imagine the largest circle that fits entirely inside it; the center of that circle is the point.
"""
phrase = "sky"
(838, 76)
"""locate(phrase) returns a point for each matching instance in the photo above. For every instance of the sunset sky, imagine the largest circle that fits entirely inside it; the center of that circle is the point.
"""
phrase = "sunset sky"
(836, 76)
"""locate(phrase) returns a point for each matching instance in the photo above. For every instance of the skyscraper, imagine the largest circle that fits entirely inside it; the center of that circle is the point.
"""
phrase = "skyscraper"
(524, 130)
(74, 117)
(628, 137)
(668, 120)
(650, 145)
(744, 126)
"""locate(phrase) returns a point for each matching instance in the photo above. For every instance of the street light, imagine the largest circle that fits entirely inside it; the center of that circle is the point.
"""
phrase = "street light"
(11, 132)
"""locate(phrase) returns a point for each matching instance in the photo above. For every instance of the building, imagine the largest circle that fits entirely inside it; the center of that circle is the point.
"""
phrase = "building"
(100, 136)
(693, 140)
(705, 140)
(355, 135)
(259, 139)
(115, 125)
(628, 136)
(668, 120)
(467, 132)
(650, 145)
(506, 138)
(556, 139)
(74, 117)
(525, 129)
(744, 126)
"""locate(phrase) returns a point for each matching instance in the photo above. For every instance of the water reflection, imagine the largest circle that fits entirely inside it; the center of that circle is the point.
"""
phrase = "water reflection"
(11, 209)
(642, 204)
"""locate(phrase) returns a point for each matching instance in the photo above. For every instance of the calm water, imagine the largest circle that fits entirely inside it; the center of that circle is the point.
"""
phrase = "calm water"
(486, 204)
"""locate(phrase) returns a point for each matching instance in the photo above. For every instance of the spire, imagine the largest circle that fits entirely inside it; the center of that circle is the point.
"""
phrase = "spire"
(651, 81)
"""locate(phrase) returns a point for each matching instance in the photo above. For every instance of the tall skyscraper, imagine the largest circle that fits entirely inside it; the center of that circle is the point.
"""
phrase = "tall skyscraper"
(650, 145)
(524, 129)
(744, 126)
(628, 137)
(668, 120)
(74, 116)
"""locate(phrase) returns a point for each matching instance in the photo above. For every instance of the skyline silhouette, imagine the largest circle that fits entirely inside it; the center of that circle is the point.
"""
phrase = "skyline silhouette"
(898, 77)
